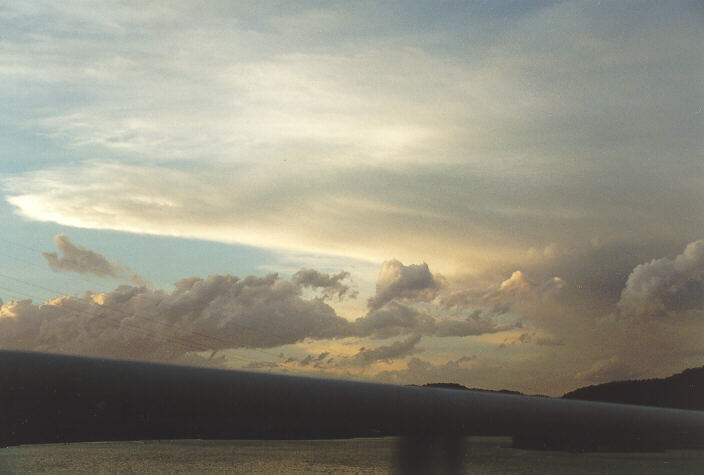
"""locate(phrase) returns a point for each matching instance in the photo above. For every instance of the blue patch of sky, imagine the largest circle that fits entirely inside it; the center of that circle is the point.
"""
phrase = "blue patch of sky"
(161, 260)
(22, 150)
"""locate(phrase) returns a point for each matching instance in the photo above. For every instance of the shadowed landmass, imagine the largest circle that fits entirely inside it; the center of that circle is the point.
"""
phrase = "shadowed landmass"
(684, 390)
(53, 398)
(459, 386)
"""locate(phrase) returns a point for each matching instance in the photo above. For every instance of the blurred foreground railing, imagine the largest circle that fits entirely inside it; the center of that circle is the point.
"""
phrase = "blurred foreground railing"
(51, 398)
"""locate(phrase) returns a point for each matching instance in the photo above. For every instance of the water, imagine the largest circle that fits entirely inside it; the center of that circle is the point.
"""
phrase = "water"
(483, 455)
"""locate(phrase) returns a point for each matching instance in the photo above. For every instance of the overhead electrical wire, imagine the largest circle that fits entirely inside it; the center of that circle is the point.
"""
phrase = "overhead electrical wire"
(223, 343)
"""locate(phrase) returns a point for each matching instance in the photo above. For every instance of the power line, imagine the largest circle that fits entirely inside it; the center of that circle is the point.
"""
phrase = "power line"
(272, 329)
(225, 344)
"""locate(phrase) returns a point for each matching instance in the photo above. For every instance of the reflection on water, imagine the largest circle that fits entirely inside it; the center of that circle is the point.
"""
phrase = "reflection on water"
(482, 455)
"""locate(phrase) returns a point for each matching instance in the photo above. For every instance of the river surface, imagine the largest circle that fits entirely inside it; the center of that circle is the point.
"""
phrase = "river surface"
(482, 455)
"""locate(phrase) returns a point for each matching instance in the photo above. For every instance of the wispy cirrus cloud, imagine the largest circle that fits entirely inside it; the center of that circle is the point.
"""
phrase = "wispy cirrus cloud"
(467, 157)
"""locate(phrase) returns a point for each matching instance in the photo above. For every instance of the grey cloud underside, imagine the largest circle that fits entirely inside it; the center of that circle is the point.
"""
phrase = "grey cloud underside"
(220, 312)
(396, 281)
(200, 314)
(625, 311)
(398, 349)
(363, 358)
(331, 285)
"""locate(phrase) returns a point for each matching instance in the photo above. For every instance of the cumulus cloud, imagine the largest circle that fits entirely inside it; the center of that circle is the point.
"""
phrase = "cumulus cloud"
(392, 320)
(398, 349)
(516, 283)
(562, 340)
(665, 287)
(331, 284)
(75, 258)
(398, 281)
(474, 324)
(222, 311)
(219, 312)
(655, 328)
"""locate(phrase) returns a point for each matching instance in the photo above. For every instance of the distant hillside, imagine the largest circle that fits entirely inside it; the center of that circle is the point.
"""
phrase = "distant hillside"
(459, 386)
(682, 391)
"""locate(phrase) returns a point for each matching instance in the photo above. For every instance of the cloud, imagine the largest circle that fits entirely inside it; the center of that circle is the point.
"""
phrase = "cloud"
(606, 370)
(516, 283)
(222, 311)
(397, 281)
(396, 350)
(666, 287)
(331, 284)
(421, 371)
(392, 320)
(361, 360)
(475, 324)
(655, 327)
(568, 127)
(212, 314)
(549, 341)
(447, 167)
(76, 258)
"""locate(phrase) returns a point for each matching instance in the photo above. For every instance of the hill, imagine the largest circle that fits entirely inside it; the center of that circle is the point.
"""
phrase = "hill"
(684, 390)
(465, 388)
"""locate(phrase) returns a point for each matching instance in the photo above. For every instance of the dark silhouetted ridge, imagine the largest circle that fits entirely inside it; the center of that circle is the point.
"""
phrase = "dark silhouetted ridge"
(465, 388)
(684, 390)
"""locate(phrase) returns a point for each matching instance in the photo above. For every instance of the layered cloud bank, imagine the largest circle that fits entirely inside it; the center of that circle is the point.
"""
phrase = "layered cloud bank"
(528, 175)
(461, 138)
(655, 324)
(221, 312)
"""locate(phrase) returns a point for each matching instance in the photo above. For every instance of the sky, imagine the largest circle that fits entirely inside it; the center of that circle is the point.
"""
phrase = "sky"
(499, 194)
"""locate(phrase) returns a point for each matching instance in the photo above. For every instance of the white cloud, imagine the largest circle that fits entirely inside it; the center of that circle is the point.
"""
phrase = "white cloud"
(665, 287)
